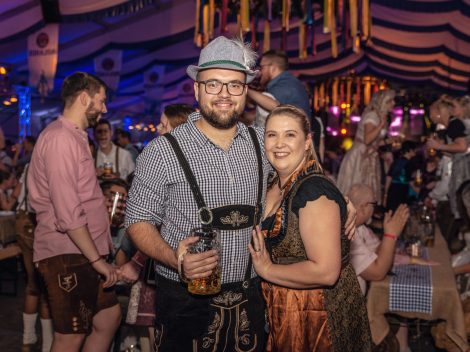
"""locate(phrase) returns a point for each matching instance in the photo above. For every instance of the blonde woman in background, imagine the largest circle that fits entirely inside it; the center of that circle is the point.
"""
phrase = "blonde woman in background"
(361, 163)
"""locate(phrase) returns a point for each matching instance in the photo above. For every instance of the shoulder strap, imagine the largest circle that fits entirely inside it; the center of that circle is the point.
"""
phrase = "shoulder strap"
(204, 213)
(117, 159)
(254, 138)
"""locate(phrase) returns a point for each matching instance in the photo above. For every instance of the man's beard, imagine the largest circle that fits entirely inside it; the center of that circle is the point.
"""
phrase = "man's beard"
(92, 115)
(214, 119)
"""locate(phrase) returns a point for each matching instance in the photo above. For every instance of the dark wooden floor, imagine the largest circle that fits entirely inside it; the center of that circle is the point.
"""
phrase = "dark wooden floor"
(11, 306)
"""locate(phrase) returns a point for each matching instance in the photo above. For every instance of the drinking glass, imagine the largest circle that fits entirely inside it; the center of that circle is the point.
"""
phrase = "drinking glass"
(107, 168)
(117, 206)
(209, 238)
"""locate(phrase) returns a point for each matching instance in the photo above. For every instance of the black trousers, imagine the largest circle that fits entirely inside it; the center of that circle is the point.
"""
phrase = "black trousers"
(232, 320)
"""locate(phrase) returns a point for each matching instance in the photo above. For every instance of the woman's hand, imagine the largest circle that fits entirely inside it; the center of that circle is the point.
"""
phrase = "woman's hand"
(433, 144)
(259, 254)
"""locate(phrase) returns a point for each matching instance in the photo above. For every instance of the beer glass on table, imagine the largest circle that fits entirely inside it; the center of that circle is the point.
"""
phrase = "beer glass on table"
(209, 238)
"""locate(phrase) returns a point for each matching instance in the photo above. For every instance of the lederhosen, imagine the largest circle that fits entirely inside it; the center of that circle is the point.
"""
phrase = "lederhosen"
(232, 320)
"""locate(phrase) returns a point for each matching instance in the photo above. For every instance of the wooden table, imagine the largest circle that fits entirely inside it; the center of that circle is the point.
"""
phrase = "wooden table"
(446, 302)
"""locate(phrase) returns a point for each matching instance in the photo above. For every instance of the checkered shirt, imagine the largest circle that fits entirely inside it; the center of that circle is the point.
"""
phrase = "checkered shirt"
(411, 288)
(160, 194)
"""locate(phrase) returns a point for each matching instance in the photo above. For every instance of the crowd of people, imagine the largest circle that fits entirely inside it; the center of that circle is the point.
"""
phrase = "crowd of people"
(98, 219)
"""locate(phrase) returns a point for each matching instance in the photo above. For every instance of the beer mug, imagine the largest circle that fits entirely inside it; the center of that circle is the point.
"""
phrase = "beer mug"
(209, 238)
(107, 168)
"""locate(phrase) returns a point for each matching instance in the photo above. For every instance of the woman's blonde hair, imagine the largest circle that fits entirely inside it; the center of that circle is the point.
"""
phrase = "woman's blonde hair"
(379, 101)
(301, 117)
(444, 102)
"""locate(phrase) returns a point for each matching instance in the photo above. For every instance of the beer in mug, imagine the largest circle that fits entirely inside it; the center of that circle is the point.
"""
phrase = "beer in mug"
(209, 239)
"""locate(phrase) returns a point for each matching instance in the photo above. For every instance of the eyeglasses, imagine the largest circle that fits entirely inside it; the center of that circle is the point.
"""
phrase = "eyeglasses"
(214, 87)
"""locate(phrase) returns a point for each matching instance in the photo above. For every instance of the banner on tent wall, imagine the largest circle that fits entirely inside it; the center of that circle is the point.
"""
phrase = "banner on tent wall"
(153, 82)
(108, 68)
(186, 92)
(43, 48)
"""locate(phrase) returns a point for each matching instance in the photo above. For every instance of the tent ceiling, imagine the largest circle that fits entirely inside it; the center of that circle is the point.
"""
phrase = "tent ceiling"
(423, 42)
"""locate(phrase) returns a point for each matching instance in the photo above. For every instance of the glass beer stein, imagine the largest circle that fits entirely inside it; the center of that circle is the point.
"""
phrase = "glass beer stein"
(208, 239)
(107, 168)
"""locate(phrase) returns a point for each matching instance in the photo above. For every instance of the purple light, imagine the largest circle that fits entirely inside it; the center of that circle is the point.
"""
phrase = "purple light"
(398, 111)
(414, 111)
(335, 110)
(334, 133)
(396, 122)
(328, 129)
(355, 118)
(394, 133)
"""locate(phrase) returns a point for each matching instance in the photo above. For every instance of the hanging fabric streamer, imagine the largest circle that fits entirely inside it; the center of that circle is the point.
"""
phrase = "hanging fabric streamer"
(245, 15)
(223, 16)
(270, 10)
(284, 14)
(357, 44)
(267, 35)
(302, 41)
(308, 12)
(334, 45)
(340, 12)
(197, 23)
(316, 105)
(365, 19)
(205, 35)
(367, 87)
(353, 18)
(321, 94)
(376, 87)
(211, 18)
(326, 16)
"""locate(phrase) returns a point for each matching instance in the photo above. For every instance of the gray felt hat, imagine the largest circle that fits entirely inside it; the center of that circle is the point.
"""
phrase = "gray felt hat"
(227, 54)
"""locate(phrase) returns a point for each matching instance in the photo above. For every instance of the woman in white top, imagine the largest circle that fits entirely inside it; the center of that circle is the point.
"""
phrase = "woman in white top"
(361, 163)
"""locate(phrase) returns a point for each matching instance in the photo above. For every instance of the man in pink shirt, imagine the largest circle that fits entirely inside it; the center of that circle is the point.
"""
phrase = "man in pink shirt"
(72, 234)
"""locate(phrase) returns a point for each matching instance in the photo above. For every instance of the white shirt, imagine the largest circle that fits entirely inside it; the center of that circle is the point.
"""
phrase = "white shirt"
(440, 191)
(126, 164)
(362, 252)
(21, 197)
(261, 114)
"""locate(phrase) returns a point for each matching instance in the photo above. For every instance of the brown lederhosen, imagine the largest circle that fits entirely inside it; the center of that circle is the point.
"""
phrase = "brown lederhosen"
(232, 320)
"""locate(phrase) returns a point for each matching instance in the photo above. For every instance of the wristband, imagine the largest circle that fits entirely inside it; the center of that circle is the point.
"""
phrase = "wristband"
(389, 235)
(180, 266)
(96, 260)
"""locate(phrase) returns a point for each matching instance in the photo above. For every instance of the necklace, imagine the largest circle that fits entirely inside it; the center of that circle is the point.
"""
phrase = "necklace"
(281, 188)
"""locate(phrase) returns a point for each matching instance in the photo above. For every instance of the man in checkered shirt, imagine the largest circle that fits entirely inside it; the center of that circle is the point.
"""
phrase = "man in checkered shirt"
(161, 211)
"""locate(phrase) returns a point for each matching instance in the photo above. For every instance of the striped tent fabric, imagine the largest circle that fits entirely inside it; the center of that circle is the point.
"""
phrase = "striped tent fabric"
(412, 42)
